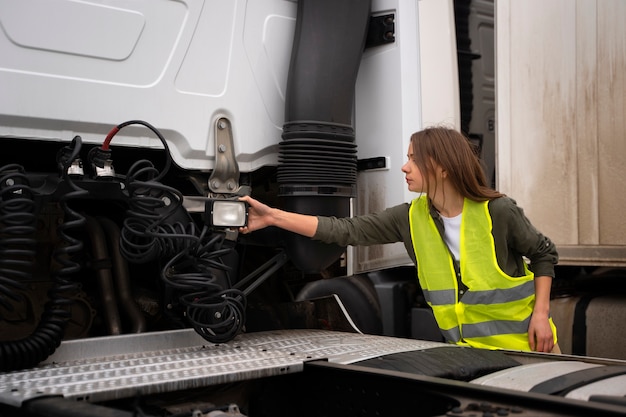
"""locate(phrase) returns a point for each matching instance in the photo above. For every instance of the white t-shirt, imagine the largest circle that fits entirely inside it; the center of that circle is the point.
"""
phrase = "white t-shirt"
(452, 234)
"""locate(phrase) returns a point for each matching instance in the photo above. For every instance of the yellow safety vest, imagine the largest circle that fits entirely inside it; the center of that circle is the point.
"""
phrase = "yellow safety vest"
(495, 310)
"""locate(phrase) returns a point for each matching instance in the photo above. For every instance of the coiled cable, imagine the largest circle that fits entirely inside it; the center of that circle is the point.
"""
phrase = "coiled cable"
(216, 312)
(158, 227)
(17, 252)
(73, 220)
(18, 218)
(147, 232)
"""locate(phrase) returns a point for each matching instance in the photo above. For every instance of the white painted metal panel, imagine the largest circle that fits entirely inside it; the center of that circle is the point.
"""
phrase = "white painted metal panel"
(561, 94)
(402, 88)
(177, 64)
(182, 64)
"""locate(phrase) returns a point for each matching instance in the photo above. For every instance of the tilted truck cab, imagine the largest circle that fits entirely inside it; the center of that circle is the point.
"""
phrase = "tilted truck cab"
(128, 126)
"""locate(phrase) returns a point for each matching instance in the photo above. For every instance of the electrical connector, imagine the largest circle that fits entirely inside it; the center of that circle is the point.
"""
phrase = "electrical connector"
(101, 163)
(76, 169)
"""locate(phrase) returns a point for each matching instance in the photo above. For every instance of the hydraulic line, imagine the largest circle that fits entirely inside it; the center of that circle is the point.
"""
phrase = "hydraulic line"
(121, 277)
(101, 263)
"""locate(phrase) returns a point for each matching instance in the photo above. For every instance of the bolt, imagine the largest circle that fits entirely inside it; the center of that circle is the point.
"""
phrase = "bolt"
(221, 125)
(218, 315)
(215, 184)
(231, 186)
(222, 148)
(10, 182)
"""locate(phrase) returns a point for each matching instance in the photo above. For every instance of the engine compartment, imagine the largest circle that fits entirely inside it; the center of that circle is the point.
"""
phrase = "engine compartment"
(73, 239)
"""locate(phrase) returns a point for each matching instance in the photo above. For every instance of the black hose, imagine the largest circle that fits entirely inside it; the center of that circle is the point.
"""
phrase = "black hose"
(317, 168)
(122, 277)
(102, 265)
(17, 253)
(17, 219)
(214, 309)
(158, 227)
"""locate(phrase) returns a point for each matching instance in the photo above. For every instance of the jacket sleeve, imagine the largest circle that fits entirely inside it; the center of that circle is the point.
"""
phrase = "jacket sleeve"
(387, 226)
(525, 240)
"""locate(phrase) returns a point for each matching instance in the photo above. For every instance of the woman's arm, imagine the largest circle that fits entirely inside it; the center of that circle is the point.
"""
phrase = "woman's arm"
(540, 334)
(261, 216)
(526, 240)
(388, 226)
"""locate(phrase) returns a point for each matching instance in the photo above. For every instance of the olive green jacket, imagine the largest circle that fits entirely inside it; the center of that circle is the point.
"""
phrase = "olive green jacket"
(514, 236)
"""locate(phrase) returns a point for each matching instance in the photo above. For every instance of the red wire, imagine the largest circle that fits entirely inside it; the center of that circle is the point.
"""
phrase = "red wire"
(107, 140)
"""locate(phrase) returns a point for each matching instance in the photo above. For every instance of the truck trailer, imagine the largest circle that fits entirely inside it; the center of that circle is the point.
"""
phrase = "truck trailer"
(131, 128)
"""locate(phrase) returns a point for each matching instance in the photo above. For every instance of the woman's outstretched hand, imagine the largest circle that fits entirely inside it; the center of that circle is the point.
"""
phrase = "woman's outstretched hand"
(261, 216)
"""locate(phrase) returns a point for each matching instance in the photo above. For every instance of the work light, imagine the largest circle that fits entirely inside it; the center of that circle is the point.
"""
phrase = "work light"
(227, 213)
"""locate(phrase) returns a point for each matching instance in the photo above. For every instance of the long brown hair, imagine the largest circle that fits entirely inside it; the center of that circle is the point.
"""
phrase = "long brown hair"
(452, 151)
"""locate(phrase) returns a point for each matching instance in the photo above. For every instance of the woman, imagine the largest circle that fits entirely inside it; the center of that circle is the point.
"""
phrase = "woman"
(470, 244)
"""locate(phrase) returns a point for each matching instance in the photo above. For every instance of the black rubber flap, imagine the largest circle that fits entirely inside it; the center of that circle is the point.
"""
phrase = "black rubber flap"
(458, 363)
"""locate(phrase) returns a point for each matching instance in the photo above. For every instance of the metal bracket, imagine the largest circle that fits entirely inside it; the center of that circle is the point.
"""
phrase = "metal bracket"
(381, 30)
(225, 176)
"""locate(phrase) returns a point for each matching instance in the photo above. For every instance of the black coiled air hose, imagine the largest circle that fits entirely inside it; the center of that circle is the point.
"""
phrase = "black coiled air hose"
(155, 226)
(216, 312)
(158, 227)
(17, 219)
(17, 243)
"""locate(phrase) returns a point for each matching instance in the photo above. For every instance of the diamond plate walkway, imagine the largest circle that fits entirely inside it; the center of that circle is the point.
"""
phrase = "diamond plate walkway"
(102, 369)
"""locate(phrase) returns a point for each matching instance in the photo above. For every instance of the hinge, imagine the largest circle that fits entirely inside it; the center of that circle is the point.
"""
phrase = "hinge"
(225, 176)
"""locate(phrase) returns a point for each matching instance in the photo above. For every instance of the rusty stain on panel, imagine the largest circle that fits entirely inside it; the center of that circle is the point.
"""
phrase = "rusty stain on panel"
(543, 134)
(568, 118)
(611, 118)
(587, 123)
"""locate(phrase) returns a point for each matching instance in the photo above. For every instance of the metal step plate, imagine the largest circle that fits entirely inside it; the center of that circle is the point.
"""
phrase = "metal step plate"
(102, 369)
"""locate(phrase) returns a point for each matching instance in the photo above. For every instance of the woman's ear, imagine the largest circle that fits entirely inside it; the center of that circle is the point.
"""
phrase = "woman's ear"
(440, 172)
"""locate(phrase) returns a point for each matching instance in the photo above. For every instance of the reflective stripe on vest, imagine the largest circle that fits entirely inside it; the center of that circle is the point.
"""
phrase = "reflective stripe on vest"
(497, 296)
(495, 310)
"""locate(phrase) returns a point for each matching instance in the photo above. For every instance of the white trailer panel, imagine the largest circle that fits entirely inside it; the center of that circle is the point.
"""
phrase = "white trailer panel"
(561, 138)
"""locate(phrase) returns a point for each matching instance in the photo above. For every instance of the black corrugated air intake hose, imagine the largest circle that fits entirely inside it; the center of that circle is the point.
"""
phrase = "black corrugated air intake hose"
(17, 253)
(317, 170)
